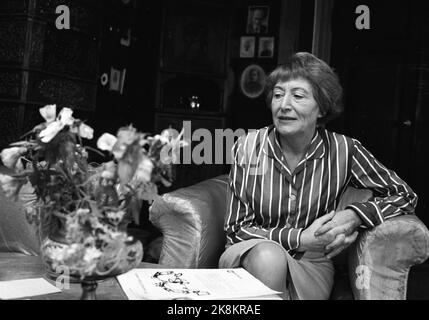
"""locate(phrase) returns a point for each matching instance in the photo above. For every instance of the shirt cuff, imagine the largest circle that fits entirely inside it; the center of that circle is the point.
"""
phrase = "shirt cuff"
(365, 213)
(290, 238)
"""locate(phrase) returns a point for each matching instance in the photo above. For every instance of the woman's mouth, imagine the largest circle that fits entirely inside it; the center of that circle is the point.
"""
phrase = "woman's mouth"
(285, 118)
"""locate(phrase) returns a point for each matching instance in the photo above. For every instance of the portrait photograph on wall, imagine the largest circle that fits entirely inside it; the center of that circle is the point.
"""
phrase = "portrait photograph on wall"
(247, 47)
(258, 19)
(266, 47)
(252, 81)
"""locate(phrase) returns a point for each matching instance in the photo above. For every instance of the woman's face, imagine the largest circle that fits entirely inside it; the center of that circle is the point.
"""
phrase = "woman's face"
(293, 107)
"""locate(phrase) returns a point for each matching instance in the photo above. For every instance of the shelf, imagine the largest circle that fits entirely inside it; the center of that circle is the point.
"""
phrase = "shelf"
(181, 72)
(190, 112)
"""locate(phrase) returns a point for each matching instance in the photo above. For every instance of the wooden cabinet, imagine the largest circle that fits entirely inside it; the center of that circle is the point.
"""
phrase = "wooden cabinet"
(192, 75)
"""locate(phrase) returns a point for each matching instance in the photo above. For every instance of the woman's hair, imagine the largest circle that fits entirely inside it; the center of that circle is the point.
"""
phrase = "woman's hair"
(326, 87)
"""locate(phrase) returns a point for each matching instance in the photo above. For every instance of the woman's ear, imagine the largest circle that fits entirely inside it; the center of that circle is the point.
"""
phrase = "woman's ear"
(321, 113)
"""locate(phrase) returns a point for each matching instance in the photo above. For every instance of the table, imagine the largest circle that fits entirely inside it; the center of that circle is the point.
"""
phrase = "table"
(16, 266)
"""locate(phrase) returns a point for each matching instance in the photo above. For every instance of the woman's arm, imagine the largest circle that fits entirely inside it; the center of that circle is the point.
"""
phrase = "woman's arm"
(392, 196)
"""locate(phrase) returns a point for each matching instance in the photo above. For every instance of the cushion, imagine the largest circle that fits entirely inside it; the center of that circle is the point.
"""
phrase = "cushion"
(16, 234)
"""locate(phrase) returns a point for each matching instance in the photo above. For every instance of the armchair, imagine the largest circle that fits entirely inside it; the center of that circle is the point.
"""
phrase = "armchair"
(378, 264)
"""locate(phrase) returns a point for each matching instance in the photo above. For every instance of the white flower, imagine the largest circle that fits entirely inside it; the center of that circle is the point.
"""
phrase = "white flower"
(163, 138)
(51, 131)
(49, 112)
(109, 170)
(65, 117)
(126, 137)
(144, 170)
(10, 156)
(91, 254)
(106, 142)
(86, 131)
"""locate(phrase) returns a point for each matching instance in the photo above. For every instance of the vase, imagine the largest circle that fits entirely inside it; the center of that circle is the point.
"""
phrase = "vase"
(55, 245)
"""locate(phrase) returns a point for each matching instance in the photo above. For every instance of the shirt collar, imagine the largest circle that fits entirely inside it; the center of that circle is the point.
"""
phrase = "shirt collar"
(316, 149)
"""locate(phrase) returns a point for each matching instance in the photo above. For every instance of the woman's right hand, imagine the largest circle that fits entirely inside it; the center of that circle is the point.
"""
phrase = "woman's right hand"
(309, 242)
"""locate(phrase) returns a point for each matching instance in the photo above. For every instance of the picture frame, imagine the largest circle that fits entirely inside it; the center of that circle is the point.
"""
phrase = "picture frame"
(266, 47)
(252, 81)
(247, 47)
(195, 37)
(257, 19)
(115, 79)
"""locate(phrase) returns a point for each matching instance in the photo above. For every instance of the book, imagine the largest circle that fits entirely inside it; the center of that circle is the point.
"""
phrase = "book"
(193, 284)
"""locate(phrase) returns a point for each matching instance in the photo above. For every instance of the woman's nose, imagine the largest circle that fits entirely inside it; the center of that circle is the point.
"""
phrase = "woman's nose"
(286, 102)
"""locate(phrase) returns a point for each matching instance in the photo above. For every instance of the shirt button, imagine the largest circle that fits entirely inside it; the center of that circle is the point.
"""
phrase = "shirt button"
(293, 197)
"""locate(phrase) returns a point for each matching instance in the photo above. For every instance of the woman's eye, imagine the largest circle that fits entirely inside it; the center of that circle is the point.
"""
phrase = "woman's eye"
(278, 95)
(298, 96)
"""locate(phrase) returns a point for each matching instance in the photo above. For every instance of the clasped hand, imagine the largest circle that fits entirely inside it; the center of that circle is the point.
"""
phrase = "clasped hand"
(331, 233)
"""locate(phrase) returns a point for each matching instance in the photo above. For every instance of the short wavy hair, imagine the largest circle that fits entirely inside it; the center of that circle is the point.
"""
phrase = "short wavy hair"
(326, 86)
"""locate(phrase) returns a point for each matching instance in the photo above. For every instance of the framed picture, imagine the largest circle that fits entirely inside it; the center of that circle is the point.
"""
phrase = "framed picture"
(115, 79)
(195, 37)
(266, 47)
(247, 47)
(252, 81)
(257, 19)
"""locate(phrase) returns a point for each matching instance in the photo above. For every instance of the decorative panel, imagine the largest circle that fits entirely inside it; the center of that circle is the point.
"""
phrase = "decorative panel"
(69, 53)
(14, 6)
(12, 43)
(37, 44)
(43, 89)
(10, 84)
(82, 13)
(9, 116)
(32, 118)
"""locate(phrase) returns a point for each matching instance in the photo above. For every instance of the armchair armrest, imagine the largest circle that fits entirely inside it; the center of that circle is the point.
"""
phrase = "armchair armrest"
(191, 221)
(380, 259)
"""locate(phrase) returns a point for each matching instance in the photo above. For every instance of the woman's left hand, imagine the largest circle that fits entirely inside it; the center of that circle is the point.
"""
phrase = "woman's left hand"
(340, 243)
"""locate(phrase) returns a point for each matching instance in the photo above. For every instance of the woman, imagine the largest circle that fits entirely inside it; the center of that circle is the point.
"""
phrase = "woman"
(286, 181)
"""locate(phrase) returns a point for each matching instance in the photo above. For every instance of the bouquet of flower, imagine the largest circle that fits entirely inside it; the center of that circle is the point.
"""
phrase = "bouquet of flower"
(93, 202)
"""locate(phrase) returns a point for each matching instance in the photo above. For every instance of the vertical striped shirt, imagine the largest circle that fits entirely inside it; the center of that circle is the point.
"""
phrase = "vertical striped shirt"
(268, 201)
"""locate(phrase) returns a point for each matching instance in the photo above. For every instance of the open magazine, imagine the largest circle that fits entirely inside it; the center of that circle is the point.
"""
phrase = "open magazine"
(195, 284)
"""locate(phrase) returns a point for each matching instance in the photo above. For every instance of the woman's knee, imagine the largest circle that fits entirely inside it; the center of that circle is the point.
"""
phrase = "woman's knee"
(266, 256)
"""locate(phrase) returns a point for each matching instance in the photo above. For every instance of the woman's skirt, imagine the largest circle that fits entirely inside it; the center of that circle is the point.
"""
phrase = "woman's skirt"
(309, 278)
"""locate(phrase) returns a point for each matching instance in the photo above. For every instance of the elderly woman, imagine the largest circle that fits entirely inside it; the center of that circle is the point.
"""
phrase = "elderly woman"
(286, 181)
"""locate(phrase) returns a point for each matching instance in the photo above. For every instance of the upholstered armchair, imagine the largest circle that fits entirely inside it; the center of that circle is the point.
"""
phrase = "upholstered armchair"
(376, 266)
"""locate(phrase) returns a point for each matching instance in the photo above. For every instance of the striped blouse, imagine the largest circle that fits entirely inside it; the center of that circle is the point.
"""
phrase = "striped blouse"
(267, 201)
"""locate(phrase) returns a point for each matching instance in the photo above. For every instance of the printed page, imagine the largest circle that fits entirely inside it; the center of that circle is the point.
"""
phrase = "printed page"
(198, 284)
